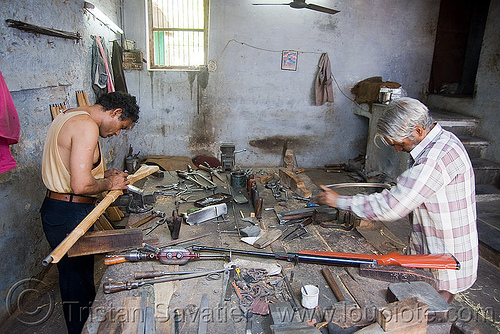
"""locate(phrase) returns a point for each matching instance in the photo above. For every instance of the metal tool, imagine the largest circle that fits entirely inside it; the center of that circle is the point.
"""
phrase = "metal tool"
(206, 213)
(111, 287)
(211, 170)
(299, 231)
(154, 214)
(197, 178)
(158, 223)
(203, 324)
(173, 255)
(230, 281)
(279, 216)
(275, 188)
(225, 283)
(293, 300)
(136, 200)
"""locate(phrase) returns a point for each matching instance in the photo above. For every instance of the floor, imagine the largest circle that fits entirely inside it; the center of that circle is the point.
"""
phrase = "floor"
(478, 308)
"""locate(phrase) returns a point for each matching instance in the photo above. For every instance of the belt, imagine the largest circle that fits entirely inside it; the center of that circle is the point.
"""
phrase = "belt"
(71, 198)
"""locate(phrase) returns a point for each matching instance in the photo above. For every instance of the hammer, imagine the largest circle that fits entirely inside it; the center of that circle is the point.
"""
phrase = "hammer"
(143, 221)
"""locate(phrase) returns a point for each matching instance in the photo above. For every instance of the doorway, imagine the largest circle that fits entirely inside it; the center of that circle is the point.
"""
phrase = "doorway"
(457, 49)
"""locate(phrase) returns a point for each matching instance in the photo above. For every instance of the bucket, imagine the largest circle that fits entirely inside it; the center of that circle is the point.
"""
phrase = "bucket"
(238, 180)
(310, 296)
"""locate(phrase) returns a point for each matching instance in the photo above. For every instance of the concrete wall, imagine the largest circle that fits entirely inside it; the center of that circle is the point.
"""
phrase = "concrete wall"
(41, 70)
(251, 102)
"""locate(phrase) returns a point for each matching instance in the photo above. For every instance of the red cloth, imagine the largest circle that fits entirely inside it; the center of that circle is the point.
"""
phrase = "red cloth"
(9, 127)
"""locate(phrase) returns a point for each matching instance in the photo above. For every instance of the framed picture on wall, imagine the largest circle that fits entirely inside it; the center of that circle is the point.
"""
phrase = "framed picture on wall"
(289, 60)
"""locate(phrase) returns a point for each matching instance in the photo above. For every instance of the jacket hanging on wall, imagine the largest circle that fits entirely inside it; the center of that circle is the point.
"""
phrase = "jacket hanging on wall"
(102, 77)
(323, 86)
(10, 127)
(117, 64)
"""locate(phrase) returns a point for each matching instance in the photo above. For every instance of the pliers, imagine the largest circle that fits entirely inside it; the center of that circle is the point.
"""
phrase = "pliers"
(151, 228)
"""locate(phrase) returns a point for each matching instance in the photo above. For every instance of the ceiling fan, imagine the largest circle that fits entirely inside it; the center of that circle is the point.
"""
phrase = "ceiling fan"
(299, 4)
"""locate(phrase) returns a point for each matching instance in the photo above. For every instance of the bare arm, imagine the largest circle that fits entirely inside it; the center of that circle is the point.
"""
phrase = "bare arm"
(84, 139)
(327, 197)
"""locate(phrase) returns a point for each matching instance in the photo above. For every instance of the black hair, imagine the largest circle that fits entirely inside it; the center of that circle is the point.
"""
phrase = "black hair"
(124, 101)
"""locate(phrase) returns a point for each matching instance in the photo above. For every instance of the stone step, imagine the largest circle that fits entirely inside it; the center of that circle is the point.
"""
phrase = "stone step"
(487, 193)
(456, 123)
(475, 146)
(486, 172)
(488, 228)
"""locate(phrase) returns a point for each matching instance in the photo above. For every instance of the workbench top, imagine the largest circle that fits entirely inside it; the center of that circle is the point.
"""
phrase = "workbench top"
(176, 305)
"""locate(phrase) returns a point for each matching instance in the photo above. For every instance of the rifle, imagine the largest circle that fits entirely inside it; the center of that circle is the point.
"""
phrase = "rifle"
(433, 261)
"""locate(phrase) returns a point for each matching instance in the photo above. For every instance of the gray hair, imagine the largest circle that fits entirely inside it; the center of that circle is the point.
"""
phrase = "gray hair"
(400, 119)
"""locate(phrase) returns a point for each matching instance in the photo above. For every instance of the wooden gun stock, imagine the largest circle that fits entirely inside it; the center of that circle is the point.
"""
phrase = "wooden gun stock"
(432, 261)
(114, 260)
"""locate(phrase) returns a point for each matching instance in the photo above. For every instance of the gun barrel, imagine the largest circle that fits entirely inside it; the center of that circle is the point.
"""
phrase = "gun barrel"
(234, 251)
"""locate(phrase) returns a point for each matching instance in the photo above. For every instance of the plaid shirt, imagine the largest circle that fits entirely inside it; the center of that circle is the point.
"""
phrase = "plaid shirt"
(438, 188)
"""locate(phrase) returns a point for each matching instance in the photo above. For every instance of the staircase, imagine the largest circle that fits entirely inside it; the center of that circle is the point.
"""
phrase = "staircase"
(487, 175)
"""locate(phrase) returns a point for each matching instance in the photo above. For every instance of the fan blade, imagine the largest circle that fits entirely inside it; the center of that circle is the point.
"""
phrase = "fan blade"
(322, 9)
(270, 4)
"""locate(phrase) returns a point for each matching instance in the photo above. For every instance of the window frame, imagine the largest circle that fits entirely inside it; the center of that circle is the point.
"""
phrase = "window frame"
(151, 45)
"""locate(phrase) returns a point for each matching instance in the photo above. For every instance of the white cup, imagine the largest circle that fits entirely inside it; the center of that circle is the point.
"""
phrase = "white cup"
(310, 296)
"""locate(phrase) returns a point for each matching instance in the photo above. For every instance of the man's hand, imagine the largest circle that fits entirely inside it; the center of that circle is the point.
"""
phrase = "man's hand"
(114, 171)
(117, 179)
(327, 197)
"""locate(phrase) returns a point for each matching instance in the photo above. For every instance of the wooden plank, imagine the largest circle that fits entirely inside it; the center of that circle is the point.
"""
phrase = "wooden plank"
(293, 181)
(268, 238)
(131, 309)
(103, 224)
(163, 293)
(106, 241)
(403, 314)
(114, 213)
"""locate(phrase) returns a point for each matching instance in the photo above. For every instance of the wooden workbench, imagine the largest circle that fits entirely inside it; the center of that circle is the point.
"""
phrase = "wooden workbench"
(181, 299)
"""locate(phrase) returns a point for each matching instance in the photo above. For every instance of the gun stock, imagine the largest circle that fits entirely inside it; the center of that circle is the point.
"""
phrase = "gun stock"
(431, 261)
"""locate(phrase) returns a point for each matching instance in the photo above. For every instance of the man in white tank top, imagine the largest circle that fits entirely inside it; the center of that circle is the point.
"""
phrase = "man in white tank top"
(73, 170)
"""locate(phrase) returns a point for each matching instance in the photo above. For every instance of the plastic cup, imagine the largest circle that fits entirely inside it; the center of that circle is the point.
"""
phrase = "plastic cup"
(310, 296)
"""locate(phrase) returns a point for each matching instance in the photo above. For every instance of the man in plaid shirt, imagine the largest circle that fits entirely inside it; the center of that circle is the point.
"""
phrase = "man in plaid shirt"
(438, 189)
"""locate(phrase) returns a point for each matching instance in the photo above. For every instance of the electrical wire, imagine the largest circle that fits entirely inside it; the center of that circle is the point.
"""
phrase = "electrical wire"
(212, 65)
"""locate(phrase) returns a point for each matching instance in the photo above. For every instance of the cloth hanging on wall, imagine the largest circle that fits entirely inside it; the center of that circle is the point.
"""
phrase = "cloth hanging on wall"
(102, 79)
(10, 127)
(323, 86)
(117, 64)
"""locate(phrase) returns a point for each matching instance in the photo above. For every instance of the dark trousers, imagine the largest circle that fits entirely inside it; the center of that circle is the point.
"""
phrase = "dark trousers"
(76, 274)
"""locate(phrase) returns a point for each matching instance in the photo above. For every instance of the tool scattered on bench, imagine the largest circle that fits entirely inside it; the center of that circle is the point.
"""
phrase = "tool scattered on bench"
(256, 200)
(212, 171)
(171, 255)
(157, 223)
(111, 287)
(136, 200)
(299, 231)
(154, 214)
(433, 261)
(196, 178)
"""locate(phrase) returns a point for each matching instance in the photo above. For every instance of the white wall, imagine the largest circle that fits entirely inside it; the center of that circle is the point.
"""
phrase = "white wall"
(251, 102)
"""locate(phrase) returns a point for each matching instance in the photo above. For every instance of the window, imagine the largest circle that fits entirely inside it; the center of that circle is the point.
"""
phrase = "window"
(177, 31)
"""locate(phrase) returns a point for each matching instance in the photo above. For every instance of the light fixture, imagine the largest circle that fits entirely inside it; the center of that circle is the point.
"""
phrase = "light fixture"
(102, 17)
